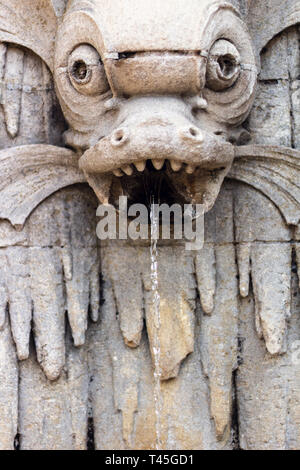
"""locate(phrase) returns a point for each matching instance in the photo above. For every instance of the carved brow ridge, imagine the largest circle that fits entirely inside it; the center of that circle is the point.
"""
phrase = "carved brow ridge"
(130, 54)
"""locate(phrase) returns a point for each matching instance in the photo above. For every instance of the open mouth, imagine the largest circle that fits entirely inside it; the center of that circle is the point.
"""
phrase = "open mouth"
(164, 181)
(171, 163)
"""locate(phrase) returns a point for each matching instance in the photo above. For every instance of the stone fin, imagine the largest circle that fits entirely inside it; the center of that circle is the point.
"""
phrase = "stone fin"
(32, 26)
(20, 305)
(273, 170)
(272, 291)
(49, 309)
(125, 273)
(205, 265)
(13, 82)
(31, 173)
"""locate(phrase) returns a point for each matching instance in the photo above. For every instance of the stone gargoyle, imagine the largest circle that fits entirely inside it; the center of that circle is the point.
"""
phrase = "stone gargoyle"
(149, 89)
(139, 97)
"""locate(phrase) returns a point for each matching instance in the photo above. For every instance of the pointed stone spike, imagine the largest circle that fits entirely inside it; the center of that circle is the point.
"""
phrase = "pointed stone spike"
(78, 294)
(13, 89)
(49, 309)
(271, 268)
(205, 265)
(20, 305)
(125, 273)
(95, 292)
(219, 340)
(81, 289)
(219, 332)
(177, 309)
(3, 49)
(9, 389)
(3, 289)
(243, 259)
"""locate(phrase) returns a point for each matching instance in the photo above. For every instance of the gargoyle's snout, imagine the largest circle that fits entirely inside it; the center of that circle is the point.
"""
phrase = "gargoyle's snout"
(160, 133)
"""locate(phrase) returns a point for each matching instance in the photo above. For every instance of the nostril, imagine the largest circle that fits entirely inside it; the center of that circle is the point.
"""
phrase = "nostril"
(192, 133)
(119, 137)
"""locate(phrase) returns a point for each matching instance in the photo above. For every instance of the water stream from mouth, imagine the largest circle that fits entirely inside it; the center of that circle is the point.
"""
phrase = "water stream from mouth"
(157, 324)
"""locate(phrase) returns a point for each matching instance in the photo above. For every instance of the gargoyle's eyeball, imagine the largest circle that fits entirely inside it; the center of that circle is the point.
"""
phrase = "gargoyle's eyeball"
(86, 71)
(223, 67)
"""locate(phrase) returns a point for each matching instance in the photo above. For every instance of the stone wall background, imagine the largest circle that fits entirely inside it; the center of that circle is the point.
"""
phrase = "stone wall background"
(230, 392)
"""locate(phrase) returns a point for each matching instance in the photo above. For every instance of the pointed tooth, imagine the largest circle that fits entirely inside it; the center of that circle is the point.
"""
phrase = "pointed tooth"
(158, 164)
(176, 166)
(140, 166)
(128, 170)
(190, 169)
(118, 173)
(48, 299)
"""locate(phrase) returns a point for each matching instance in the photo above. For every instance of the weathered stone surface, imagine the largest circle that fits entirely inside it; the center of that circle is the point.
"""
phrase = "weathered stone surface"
(145, 96)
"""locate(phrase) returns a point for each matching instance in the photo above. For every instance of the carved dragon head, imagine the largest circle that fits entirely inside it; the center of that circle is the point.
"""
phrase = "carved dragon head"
(155, 86)
(149, 89)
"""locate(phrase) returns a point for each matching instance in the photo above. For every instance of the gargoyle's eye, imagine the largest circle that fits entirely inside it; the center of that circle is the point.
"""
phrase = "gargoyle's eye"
(223, 67)
(86, 71)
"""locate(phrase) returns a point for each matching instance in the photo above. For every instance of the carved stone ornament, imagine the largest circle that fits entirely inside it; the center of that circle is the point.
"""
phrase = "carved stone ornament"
(105, 92)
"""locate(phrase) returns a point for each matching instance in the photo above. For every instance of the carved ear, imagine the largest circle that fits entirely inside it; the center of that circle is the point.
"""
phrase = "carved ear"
(268, 18)
(275, 171)
(31, 23)
(31, 173)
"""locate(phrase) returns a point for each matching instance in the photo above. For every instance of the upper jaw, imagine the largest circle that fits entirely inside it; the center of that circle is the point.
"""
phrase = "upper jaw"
(126, 150)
